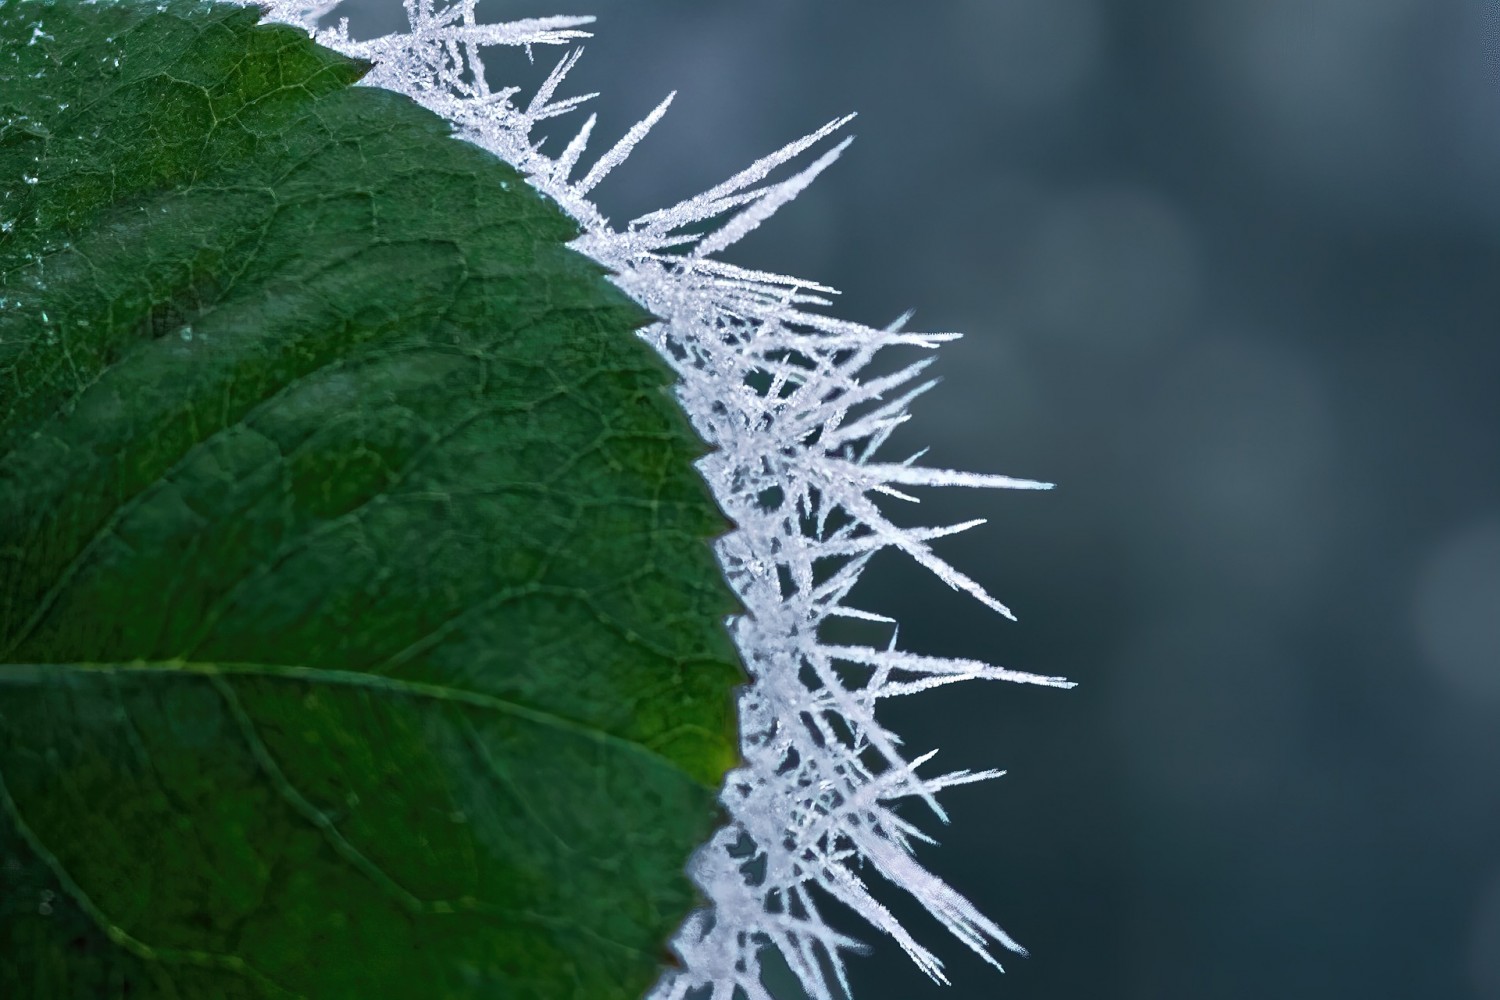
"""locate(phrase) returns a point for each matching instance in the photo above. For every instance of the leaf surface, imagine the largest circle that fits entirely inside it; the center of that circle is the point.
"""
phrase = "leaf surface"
(359, 634)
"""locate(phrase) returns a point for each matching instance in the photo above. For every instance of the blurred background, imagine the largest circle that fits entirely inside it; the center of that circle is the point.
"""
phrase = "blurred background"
(1230, 276)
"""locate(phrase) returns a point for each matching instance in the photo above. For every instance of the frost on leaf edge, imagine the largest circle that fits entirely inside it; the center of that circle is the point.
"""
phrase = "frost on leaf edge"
(773, 384)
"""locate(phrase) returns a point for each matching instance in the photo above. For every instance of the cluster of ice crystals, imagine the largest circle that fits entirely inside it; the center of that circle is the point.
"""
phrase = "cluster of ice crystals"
(774, 384)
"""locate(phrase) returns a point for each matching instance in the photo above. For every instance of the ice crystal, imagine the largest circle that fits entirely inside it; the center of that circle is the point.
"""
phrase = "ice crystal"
(776, 386)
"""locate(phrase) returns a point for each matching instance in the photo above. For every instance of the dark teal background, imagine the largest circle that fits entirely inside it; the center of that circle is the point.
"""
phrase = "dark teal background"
(1230, 271)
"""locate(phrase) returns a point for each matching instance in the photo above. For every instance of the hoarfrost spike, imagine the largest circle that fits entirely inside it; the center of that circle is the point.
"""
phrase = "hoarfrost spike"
(807, 802)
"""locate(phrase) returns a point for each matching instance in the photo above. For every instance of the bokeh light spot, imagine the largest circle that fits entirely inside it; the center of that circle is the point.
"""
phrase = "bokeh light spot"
(1457, 609)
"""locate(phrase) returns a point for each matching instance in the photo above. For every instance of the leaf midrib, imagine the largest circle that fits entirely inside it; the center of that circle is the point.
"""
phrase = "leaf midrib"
(13, 673)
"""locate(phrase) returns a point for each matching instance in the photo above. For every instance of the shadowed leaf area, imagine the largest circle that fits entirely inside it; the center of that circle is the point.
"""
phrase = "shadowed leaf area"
(359, 632)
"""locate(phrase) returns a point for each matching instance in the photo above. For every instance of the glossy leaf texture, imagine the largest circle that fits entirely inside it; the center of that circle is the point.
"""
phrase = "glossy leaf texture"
(360, 635)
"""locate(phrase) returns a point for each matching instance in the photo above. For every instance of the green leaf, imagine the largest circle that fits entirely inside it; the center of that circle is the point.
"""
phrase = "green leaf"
(359, 632)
